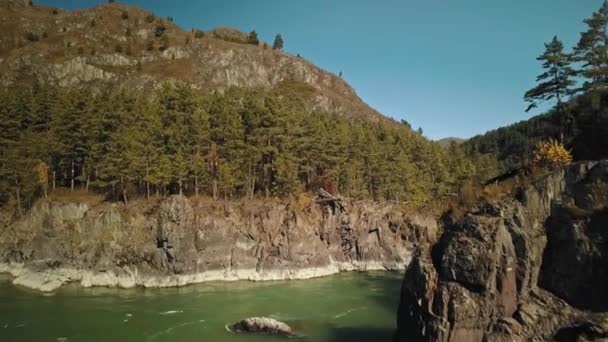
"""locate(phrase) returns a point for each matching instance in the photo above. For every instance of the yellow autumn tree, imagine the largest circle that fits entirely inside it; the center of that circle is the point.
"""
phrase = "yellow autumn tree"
(42, 173)
(551, 154)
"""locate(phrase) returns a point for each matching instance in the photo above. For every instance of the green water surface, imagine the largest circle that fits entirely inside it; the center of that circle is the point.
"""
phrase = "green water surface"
(346, 307)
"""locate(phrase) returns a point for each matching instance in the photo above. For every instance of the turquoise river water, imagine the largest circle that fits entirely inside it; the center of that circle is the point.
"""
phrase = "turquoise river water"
(353, 307)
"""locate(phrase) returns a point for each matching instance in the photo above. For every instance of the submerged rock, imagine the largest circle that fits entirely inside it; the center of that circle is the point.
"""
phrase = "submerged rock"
(262, 325)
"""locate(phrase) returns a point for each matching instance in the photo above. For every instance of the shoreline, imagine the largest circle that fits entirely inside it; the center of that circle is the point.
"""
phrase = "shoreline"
(48, 279)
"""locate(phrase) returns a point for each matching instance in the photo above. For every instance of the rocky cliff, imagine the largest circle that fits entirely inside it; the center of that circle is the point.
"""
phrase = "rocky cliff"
(523, 269)
(133, 49)
(178, 241)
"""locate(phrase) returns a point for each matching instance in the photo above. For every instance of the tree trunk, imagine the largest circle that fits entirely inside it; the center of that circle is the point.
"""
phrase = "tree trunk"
(124, 190)
(214, 189)
(252, 178)
(54, 177)
(73, 171)
(17, 193)
(18, 201)
(308, 176)
(124, 196)
(252, 189)
(180, 184)
(83, 172)
(147, 180)
(196, 186)
(560, 112)
(369, 181)
(266, 188)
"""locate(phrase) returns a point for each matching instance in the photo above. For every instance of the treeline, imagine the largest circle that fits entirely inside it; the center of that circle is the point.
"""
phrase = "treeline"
(585, 118)
(241, 143)
(576, 83)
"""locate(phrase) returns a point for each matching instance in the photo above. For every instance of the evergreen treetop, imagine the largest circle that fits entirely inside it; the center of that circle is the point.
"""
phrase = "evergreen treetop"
(278, 42)
(591, 50)
(253, 38)
(556, 81)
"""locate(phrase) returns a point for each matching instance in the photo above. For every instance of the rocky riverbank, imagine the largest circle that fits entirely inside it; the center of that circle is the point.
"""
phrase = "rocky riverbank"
(45, 277)
(179, 241)
(532, 268)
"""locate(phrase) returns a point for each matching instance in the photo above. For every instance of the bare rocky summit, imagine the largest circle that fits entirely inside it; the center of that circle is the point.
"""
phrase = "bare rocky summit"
(525, 269)
(133, 49)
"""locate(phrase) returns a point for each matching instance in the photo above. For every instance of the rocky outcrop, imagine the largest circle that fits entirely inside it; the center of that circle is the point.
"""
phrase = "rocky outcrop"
(576, 257)
(262, 325)
(178, 241)
(480, 282)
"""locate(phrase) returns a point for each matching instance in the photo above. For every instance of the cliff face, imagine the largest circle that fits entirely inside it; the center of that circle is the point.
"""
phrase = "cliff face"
(133, 49)
(176, 241)
(517, 270)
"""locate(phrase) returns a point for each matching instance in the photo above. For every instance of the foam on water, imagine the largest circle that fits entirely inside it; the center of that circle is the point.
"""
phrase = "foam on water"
(347, 312)
(171, 312)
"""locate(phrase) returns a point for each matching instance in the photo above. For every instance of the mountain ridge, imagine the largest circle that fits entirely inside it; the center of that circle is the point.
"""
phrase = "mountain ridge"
(446, 142)
(131, 47)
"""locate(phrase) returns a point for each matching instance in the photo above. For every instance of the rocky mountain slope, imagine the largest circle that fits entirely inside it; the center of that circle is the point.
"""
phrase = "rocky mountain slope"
(178, 241)
(134, 49)
(526, 269)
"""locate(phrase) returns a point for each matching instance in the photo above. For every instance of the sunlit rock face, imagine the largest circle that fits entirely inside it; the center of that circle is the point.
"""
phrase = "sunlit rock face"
(178, 241)
(516, 270)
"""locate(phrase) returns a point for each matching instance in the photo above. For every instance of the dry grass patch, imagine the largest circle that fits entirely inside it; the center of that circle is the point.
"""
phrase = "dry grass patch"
(66, 196)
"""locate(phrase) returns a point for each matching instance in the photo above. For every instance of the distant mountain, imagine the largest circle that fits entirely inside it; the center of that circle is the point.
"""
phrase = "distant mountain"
(134, 49)
(445, 142)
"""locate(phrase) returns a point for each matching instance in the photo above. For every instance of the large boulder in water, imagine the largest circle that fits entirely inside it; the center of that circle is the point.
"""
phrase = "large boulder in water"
(262, 325)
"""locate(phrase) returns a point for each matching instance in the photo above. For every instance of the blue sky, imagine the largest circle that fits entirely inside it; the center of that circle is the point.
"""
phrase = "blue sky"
(454, 68)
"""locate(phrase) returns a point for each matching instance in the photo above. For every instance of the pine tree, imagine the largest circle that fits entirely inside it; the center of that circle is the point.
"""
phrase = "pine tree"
(278, 42)
(460, 167)
(227, 133)
(115, 166)
(253, 38)
(406, 123)
(200, 143)
(177, 110)
(556, 81)
(592, 48)
(142, 133)
(68, 129)
(9, 142)
(239, 143)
